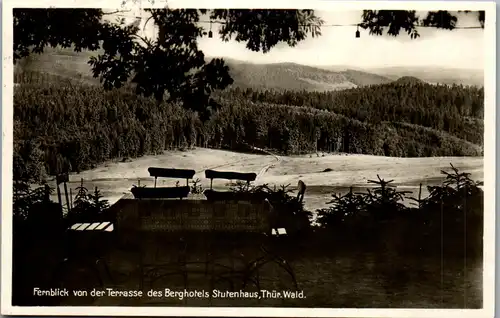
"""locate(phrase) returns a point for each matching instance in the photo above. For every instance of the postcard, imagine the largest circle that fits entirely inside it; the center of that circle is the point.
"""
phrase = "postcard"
(251, 158)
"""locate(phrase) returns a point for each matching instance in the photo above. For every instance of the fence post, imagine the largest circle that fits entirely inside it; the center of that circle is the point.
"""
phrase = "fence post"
(46, 198)
(59, 199)
(67, 198)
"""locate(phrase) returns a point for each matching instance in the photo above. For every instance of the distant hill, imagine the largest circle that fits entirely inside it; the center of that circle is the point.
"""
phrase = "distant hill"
(60, 62)
(361, 78)
(408, 80)
(291, 76)
(278, 76)
(434, 74)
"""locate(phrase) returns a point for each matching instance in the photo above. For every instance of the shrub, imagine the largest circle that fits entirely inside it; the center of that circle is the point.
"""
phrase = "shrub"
(288, 211)
(88, 207)
(450, 218)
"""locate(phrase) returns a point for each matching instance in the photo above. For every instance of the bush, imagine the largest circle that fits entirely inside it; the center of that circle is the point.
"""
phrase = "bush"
(287, 211)
(88, 207)
(450, 218)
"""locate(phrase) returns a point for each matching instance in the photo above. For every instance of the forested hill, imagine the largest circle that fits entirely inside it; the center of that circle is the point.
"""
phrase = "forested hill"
(277, 76)
(291, 76)
(408, 80)
(60, 126)
(455, 109)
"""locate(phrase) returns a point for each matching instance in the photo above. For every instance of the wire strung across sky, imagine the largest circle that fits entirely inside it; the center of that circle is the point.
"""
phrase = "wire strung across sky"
(119, 14)
(354, 25)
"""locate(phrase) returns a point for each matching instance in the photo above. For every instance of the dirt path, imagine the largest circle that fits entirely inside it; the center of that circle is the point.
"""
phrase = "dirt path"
(221, 166)
(272, 164)
(276, 160)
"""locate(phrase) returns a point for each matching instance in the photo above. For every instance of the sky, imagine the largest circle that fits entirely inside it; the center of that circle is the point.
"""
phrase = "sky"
(338, 46)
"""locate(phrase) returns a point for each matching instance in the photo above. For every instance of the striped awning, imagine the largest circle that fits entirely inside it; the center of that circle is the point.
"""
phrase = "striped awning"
(96, 226)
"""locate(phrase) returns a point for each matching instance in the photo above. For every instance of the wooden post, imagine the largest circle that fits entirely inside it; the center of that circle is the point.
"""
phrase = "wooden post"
(59, 195)
(67, 198)
(62, 178)
(187, 182)
(211, 181)
(155, 181)
(420, 197)
(47, 194)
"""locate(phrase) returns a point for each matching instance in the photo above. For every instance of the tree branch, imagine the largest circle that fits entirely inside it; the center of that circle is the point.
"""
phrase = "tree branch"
(114, 12)
(145, 40)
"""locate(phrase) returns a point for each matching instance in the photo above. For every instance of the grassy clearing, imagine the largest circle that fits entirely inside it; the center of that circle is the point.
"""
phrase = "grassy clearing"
(115, 178)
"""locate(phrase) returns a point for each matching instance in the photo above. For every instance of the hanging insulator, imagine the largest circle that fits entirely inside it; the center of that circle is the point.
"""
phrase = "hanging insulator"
(357, 33)
(210, 34)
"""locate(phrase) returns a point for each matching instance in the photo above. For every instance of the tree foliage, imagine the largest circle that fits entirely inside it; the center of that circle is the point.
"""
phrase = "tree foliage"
(395, 21)
(171, 63)
(171, 66)
(34, 29)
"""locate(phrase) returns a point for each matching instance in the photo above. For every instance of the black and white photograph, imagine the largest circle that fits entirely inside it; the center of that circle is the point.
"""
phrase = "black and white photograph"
(252, 159)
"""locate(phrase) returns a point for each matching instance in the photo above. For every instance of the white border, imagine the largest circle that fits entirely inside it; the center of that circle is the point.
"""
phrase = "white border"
(489, 163)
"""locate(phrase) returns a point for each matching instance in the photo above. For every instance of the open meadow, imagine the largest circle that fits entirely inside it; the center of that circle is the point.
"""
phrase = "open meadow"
(323, 175)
